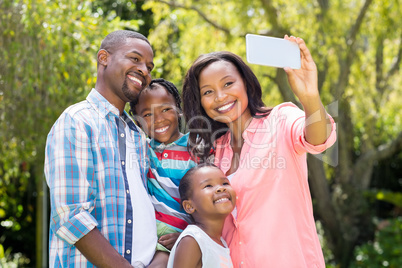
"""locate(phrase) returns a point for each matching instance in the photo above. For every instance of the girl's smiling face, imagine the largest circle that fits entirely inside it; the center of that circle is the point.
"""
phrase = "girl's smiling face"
(159, 114)
(211, 194)
(223, 93)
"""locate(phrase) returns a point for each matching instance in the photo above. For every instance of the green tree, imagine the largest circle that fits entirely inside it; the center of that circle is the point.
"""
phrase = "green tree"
(48, 62)
(359, 60)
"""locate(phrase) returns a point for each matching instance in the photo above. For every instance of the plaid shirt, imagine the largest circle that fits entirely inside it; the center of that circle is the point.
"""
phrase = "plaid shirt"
(85, 171)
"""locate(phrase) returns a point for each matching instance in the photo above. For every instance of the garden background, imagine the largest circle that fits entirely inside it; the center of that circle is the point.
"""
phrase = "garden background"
(48, 62)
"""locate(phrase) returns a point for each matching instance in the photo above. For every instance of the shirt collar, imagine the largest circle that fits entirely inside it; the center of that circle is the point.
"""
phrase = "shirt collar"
(254, 124)
(182, 141)
(100, 104)
(247, 134)
(104, 107)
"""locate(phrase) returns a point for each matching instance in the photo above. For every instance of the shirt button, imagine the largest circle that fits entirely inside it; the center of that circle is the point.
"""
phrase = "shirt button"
(128, 251)
(129, 221)
(165, 155)
(122, 162)
(237, 197)
(240, 243)
(122, 135)
(128, 191)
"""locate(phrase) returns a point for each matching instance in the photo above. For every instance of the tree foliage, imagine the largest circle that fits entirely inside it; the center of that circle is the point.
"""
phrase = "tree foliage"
(48, 62)
(359, 61)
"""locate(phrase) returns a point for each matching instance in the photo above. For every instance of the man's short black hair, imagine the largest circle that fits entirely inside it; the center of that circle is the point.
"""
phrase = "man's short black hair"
(116, 38)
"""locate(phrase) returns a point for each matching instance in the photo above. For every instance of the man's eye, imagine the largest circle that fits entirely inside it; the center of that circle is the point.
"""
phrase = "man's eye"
(147, 115)
(135, 59)
(166, 109)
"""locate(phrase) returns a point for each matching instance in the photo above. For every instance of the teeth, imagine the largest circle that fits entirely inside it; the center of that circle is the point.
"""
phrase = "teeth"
(160, 130)
(222, 199)
(227, 106)
(132, 78)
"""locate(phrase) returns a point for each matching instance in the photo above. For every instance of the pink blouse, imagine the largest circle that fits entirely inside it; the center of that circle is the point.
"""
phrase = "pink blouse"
(275, 225)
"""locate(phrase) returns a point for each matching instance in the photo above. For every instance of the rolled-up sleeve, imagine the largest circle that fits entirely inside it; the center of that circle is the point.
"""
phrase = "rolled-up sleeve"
(316, 149)
(301, 145)
(69, 169)
(293, 121)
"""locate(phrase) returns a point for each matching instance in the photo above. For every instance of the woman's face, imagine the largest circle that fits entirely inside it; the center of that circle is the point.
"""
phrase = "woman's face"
(223, 93)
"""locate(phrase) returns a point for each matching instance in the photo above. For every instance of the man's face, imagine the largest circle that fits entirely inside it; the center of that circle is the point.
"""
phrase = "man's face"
(129, 68)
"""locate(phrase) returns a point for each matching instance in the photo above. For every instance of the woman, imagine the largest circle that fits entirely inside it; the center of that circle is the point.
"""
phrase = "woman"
(263, 153)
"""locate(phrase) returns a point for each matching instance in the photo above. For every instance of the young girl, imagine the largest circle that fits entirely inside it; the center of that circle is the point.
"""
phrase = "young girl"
(207, 196)
(263, 152)
(157, 110)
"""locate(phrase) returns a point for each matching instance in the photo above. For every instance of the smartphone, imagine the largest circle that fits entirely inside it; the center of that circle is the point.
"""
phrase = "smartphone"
(272, 51)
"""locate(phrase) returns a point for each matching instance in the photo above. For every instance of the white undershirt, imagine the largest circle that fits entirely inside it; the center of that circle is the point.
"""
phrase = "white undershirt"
(144, 223)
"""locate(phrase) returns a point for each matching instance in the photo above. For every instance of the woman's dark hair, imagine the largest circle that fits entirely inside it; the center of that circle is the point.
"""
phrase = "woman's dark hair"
(185, 186)
(198, 122)
(170, 88)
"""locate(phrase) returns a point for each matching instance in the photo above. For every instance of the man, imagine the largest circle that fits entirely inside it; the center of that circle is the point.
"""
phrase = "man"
(96, 164)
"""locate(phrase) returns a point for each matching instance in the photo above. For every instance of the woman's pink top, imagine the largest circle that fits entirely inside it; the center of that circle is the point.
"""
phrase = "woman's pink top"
(275, 225)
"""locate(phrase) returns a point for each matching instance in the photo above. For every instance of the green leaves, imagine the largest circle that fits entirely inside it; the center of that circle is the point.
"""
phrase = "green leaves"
(48, 63)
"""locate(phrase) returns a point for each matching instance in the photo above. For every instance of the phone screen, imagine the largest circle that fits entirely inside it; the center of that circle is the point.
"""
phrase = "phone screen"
(272, 51)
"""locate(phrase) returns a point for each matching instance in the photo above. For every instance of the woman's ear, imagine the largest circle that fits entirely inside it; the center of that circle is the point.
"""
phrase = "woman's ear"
(102, 57)
(188, 206)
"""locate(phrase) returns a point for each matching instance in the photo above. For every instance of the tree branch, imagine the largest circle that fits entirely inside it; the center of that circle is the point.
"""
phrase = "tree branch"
(322, 74)
(320, 190)
(272, 15)
(395, 67)
(346, 62)
(382, 83)
(202, 14)
(282, 81)
(379, 63)
(366, 160)
(356, 27)
(271, 12)
(324, 5)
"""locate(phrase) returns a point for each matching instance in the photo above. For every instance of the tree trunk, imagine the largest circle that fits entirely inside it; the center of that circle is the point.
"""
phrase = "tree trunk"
(39, 229)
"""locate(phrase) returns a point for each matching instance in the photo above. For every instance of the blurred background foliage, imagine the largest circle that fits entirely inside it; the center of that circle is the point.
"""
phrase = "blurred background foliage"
(48, 52)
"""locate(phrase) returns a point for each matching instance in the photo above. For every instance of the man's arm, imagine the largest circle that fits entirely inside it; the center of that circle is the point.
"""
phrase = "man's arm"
(99, 251)
(69, 169)
(160, 260)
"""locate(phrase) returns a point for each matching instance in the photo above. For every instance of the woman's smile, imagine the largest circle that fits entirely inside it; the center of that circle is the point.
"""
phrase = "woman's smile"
(226, 108)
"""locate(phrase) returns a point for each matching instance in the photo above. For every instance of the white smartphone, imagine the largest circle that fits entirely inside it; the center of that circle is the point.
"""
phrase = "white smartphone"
(272, 51)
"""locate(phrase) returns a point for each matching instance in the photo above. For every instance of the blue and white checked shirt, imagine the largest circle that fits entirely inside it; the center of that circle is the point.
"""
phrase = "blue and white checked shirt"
(85, 171)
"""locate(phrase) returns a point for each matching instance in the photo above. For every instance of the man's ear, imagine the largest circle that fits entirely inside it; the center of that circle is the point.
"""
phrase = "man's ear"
(188, 206)
(102, 57)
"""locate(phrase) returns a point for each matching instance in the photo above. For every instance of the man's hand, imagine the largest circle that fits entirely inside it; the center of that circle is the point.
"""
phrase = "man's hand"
(160, 260)
(97, 249)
